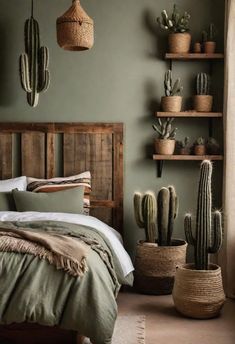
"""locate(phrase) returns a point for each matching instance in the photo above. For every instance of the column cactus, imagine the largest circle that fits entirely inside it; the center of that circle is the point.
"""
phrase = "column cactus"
(202, 241)
(34, 74)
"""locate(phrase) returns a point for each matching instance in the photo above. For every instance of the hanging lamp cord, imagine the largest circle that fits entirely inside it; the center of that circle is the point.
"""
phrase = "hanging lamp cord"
(32, 8)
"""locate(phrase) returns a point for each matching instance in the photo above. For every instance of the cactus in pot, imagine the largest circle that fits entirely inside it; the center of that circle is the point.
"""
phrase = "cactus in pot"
(165, 144)
(203, 101)
(199, 146)
(183, 146)
(208, 39)
(172, 101)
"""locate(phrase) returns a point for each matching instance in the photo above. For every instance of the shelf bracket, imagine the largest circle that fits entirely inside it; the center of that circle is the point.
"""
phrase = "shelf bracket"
(159, 168)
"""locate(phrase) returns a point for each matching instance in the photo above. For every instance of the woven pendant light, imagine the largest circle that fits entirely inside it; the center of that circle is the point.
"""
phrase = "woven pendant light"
(75, 29)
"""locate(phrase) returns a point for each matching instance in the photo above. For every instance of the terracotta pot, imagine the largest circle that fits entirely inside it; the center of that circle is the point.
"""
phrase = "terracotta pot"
(198, 293)
(164, 147)
(209, 47)
(184, 151)
(200, 150)
(155, 266)
(197, 48)
(179, 43)
(171, 104)
(203, 103)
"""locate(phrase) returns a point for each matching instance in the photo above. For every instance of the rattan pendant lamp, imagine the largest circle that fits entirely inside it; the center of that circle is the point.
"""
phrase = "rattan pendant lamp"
(75, 29)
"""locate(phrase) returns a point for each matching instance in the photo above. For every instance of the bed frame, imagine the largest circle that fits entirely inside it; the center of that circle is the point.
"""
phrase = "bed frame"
(47, 150)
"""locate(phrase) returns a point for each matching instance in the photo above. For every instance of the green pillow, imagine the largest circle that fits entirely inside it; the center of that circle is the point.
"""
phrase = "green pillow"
(66, 201)
(7, 201)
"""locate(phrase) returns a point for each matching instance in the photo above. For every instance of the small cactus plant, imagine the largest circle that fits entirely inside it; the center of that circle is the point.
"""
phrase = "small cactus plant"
(177, 22)
(213, 146)
(204, 222)
(183, 143)
(200, 141)
(152, 213)
(172, 89)
(210, 34)
(203, 84)
(164, 129)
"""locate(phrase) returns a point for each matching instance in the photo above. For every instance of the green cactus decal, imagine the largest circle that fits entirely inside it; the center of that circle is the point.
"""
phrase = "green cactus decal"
(204, 235)
(34, 74)
(203, 84)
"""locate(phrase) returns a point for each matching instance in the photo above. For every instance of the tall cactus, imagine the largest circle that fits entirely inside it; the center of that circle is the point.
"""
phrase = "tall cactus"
(34, 74)
(202, 241)
(203, 84)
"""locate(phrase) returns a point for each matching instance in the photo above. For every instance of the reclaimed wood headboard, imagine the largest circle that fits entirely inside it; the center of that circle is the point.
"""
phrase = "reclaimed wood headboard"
(47, 150)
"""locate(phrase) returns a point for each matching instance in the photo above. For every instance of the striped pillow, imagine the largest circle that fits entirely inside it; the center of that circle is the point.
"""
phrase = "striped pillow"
(59, 184)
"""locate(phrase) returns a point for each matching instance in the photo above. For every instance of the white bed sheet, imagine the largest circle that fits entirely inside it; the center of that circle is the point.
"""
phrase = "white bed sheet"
(111, 234)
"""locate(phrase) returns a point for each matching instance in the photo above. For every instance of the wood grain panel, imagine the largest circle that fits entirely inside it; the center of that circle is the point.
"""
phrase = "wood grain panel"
(6, 156)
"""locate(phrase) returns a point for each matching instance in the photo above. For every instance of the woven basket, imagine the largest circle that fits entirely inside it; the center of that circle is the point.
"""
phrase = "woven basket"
(164, 147)
(203, 103)
(198, 293)
(171, 104)
(75, 29)
(179, 43)
(155, 266)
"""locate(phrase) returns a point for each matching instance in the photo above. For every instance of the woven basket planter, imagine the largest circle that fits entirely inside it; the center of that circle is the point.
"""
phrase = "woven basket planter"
(155, 266)
(179, 43)
(203, 103)
(198, 294)
(75, 29)
(171, 104)
(164, 147)
(209, 47)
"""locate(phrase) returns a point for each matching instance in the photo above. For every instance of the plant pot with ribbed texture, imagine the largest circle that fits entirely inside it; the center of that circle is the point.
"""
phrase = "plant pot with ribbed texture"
(155, 266)
(171, 103)
(198, 294)
(203, 103)
(164, 146)
(179, 43)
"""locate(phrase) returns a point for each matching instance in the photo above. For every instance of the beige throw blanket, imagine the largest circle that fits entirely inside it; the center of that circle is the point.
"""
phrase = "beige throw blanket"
(63, 252)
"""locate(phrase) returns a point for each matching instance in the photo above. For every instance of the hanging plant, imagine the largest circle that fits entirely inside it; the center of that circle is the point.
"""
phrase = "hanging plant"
(34, 73)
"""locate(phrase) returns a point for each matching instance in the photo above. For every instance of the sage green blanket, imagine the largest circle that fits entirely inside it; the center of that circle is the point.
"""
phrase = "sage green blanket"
(32, 290)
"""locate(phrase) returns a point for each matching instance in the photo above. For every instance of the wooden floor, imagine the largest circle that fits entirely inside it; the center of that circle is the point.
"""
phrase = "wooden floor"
(164, 325)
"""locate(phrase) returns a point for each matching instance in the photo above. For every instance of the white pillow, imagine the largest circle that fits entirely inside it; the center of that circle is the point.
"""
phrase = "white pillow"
(19, 183)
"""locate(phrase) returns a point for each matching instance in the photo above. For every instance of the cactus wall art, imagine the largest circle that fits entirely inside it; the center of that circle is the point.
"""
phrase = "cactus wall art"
(34, 63)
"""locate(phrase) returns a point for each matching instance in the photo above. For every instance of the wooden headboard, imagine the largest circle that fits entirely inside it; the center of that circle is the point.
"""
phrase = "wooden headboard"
(47, 150)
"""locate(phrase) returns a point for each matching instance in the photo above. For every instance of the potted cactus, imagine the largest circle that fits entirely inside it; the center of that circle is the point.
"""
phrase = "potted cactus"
(212, 146)
(208, 39)
(177, 24)
(156, 259)
(203, 101)
(183, 146)
(172, 101)
(199, 146)
(198, 289)
(165, 144)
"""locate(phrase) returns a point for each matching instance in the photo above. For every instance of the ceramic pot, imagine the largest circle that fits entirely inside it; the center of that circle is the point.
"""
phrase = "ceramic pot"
(209, 47)
(179, 43)
(200, 150)
(197, 48)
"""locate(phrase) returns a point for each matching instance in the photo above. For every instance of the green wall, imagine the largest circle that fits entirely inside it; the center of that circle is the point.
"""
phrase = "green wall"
(119, 80)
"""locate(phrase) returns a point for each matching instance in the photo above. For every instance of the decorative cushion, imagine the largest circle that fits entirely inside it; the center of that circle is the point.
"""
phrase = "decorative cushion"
(19, 183)
(7, 201)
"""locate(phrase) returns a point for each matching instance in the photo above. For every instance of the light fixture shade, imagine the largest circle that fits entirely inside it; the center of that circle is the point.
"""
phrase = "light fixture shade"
(75, 29)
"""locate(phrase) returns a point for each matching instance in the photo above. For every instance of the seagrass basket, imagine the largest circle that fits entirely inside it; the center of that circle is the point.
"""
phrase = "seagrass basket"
(203, 103)
(179, 43)
(171, 103)
(164, 146)
(75, 29)
(198, 294)
(155, 266)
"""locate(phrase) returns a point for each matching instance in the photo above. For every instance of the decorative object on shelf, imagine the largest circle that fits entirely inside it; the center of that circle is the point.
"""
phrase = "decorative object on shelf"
(165, 144)
(177, 24)
(199, 146)
(75, 29)
(203, 101)
(172, 102)
(183, 146)
(208, 39)
(198, 289)
(156, 260)
(34, 73)
(212, 146)
(197, 48)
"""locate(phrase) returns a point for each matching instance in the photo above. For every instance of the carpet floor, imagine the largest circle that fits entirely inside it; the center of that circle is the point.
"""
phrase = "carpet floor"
(165, 325)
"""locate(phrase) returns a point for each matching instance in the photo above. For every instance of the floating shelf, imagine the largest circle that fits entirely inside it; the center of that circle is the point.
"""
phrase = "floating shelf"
(194, 56)
(187, 157)
(189, 114)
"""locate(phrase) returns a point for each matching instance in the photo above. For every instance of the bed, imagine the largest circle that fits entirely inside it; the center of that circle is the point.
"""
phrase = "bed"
(47, 150)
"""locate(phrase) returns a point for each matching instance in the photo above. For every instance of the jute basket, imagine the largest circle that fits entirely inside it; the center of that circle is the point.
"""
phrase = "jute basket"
(203, 103)
(179, 43)
(165, 147)
(75, 29)
(198, 293)
(171, 103)
(155, 266)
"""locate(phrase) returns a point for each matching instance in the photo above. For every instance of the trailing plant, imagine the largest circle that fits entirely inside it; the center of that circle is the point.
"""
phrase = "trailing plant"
(172, 89)
(210, 34)
(152, 213)
(164, 129)
(200, 141)
(183, 143)
(176, 22)
(203, 84)
(208, 224)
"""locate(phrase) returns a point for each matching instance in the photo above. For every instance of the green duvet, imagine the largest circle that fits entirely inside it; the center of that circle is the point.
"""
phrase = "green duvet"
(31, 290)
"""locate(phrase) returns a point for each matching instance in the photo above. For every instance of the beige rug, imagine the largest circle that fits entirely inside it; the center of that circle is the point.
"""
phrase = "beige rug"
(129, 329)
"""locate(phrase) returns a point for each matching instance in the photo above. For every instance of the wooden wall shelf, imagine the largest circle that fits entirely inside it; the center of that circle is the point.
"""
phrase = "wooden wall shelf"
(187, 157)
(189, 114)
(194, 56)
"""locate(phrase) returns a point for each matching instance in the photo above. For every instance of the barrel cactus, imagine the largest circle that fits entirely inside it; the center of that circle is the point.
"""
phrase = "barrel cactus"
(34, 73)
(205, 221)
(203, 84)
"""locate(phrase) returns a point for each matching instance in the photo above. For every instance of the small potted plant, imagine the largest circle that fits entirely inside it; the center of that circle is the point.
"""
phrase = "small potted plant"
(156, 259)
(203, 101)
(212, 146)
(197, 48)
(165, 144)
(183, 146)
(172, 101)
(177, 24)
(198, 289)
(199, 146)
(208, 39)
